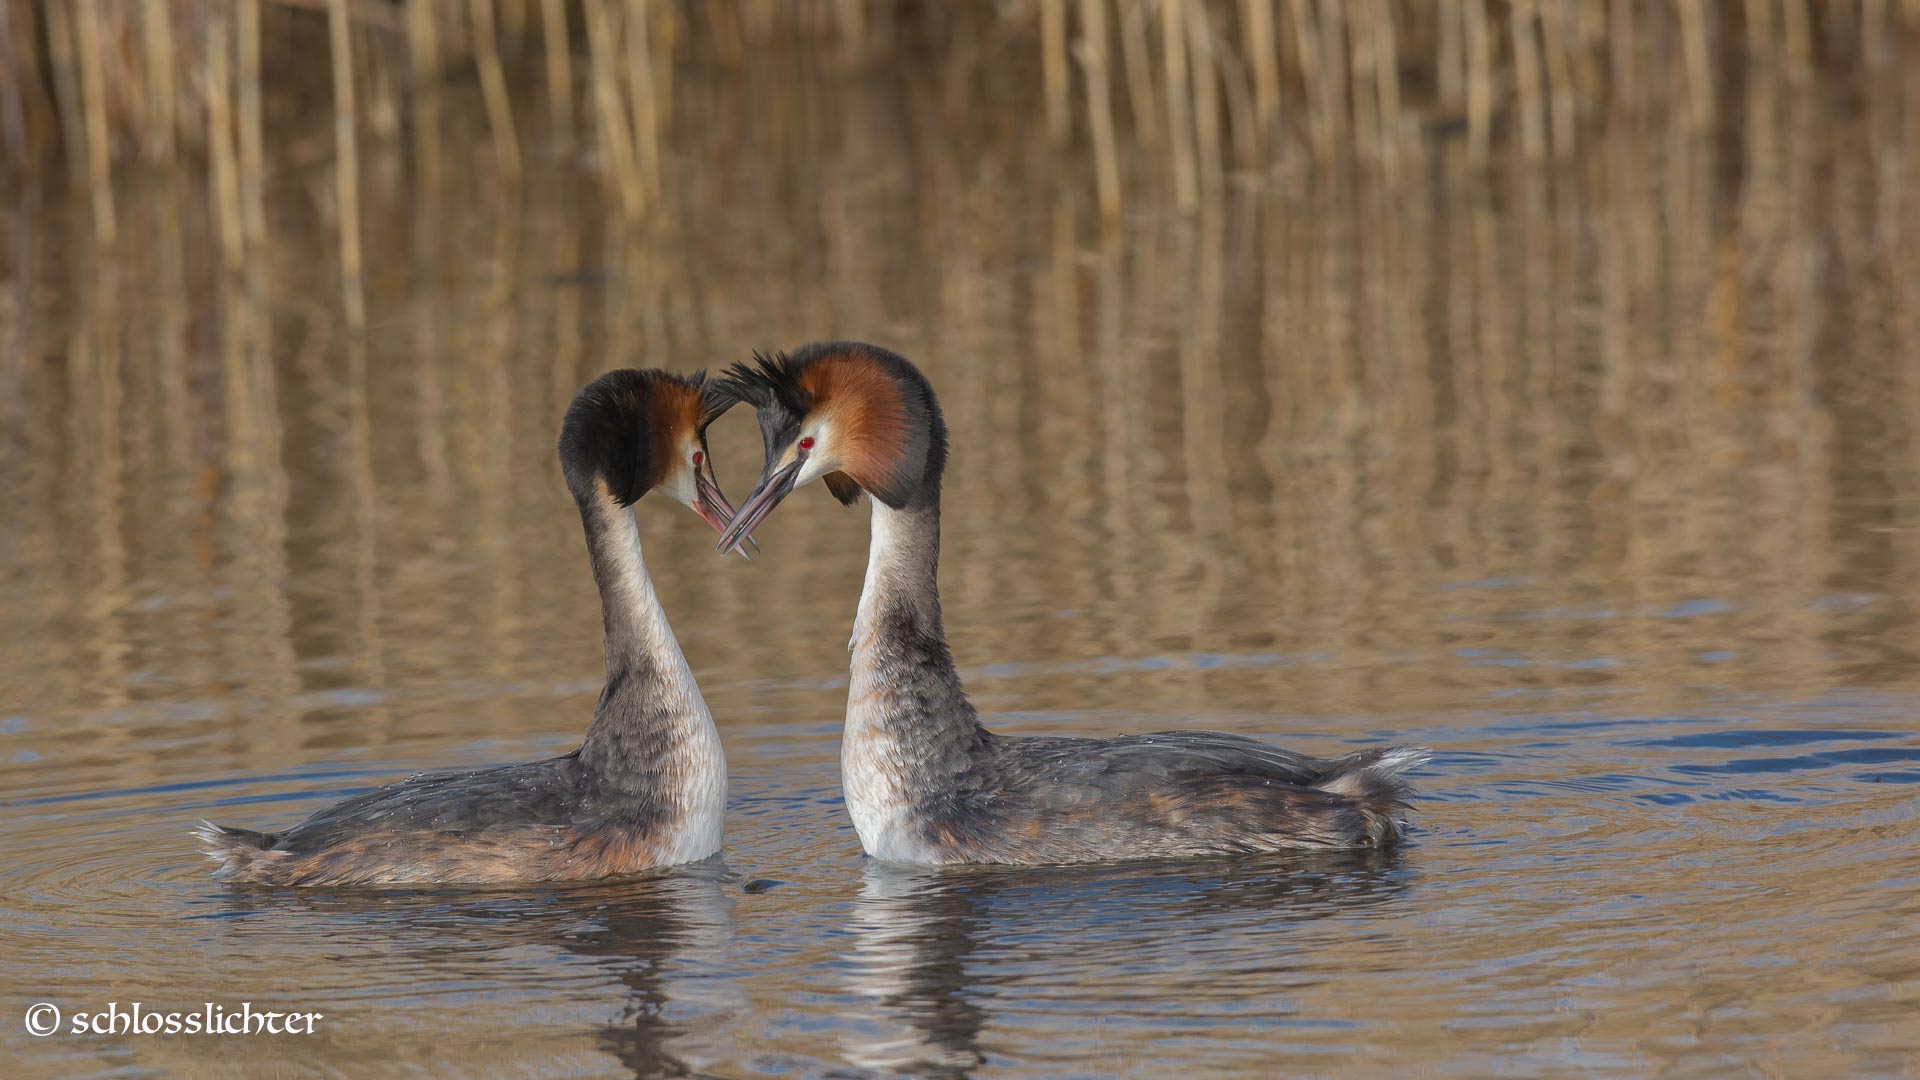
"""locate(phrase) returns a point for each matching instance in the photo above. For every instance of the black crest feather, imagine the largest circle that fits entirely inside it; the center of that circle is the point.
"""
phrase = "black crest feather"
(714, 402)
(770, 381)
(608, 433)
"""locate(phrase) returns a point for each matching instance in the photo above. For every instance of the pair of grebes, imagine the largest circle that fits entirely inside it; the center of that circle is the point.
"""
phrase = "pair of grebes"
(924, 781)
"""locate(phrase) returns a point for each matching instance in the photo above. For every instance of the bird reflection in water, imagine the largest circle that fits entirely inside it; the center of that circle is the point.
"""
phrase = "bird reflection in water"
(933, 946)
(685, 922)
(664, 940)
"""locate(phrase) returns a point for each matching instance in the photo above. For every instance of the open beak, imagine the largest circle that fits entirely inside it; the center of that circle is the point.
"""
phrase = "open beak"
(714, 509)
(759, 504)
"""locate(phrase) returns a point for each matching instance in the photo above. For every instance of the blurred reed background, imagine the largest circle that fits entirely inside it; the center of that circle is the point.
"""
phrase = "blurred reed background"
(1643, 355)
(1373, 446)
(1160, 101)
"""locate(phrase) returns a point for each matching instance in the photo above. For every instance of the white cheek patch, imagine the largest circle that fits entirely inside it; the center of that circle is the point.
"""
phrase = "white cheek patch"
(680, 481)
(813, 470)
(820, 459)
(680, 484)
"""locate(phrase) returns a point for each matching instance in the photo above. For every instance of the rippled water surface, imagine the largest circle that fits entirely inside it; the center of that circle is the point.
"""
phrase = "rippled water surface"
(1602, 479)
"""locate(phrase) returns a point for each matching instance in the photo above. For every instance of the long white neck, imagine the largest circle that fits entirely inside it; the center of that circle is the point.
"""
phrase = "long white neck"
(652, 736)
(909, 726)
(899, 568)
(638, 635)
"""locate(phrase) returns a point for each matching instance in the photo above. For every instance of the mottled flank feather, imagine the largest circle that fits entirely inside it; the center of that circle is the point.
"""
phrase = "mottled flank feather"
(1376, 781)
(235, 850)
(1168, 794)
(551, 820)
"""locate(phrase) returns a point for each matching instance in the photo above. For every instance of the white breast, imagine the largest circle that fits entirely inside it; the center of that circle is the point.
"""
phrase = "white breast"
(704, 795)
(872, 770)
(872, 762)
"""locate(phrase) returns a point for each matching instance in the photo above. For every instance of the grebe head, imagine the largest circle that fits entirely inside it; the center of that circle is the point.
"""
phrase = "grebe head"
(857, 416)
(634, 431)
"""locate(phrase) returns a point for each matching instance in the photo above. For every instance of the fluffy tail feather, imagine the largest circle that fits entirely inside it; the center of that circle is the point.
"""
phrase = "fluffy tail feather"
(1374, 780)
(234, 849)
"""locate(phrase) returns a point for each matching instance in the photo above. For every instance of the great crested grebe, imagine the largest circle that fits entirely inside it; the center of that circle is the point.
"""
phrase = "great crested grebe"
(925, 782)
(647, 787)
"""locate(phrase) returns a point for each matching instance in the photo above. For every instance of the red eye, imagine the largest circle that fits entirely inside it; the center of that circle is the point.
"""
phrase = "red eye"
(698, 457)
(806, 443)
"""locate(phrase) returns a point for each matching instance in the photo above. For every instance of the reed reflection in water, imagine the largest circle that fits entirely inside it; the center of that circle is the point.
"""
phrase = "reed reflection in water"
(1600, 479)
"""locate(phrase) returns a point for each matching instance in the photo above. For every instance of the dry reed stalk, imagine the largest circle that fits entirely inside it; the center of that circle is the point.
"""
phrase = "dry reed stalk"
(1206, 95)
(1872, 37)
(850, 17)
(554, 34)
(379, 14)
(1479, 82)
(423, 60)
(1693, 37)
(1799, 35)
(1526, 70)
(1760, 30)
(94, 92)
(663, 38)
(1179, 121)
(423, 46)
(726, 33)
(615, 134)
(163, 103)
(253, 170)
(493, 87)
(1238, 93)
(1450, 62)
(1586, 32)
(39, 113)
(762, 18)
(1334, 55)
(13, 112)
(1362, 60)
(1093, 58)
(218, 81)
(126, 91)
(1311, 77)
(1053, 66)
(381, 104)
(1560, 89)
(1622, 48)
(66, 88)
(1387, 84)
(1133, 50)
(346, 161)
(646, 124)
(514, 21)
(1265, 61)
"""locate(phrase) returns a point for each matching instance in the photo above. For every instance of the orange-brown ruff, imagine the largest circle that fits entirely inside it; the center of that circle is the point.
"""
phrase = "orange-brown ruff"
(646, 788)
(925, 782)
(857, 398)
